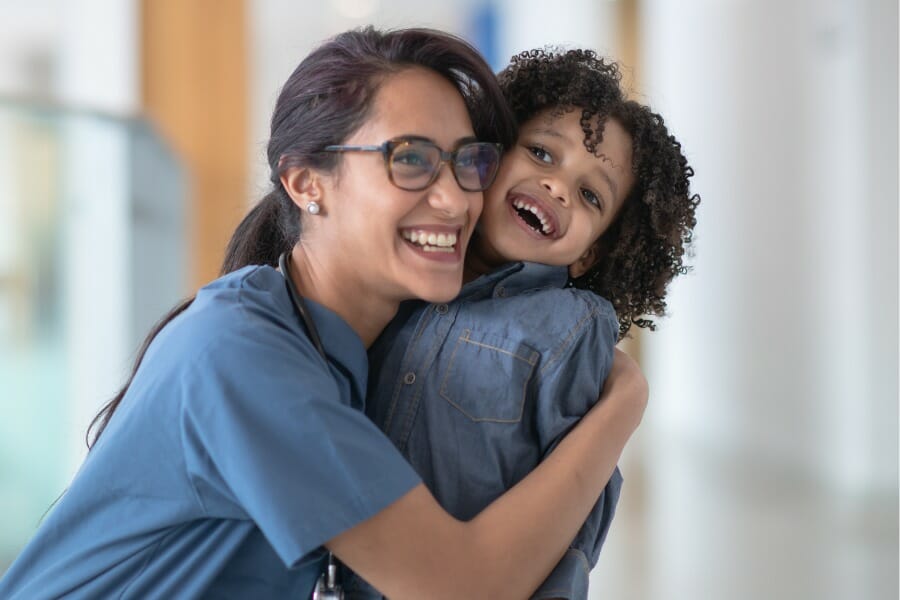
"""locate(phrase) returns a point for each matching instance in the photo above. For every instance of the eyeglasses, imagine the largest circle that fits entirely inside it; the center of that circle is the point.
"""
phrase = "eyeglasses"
(413, 164)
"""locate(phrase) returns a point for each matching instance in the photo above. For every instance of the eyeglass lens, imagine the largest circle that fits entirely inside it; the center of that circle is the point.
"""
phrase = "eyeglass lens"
(414, 165)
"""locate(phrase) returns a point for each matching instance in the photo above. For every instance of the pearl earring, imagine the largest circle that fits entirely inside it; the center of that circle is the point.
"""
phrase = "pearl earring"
(313, 208)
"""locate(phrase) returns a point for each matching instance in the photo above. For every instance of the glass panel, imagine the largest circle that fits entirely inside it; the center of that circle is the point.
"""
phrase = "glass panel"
(92, 252)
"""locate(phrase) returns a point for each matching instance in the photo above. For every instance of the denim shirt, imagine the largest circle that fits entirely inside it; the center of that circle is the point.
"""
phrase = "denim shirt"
(475, 393)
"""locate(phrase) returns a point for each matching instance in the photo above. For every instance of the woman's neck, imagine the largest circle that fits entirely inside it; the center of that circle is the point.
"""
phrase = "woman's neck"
(480, 260)
(366, 313)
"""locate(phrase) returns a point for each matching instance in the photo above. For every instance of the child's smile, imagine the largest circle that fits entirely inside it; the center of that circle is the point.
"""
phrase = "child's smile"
(535, 215)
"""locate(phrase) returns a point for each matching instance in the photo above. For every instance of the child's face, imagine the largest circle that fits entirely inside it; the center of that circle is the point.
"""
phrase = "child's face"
(552, 199)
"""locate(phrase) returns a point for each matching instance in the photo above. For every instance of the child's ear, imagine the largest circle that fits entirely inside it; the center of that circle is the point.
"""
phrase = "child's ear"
(585, 262)
(303, 185)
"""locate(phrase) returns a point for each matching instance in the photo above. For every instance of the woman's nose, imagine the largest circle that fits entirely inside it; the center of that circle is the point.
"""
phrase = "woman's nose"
(452, 201)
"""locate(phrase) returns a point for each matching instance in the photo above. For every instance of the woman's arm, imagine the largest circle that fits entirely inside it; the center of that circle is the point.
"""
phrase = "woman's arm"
(414, 549)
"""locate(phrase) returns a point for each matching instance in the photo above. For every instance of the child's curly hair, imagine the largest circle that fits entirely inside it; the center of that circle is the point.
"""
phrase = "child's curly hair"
(642, 250)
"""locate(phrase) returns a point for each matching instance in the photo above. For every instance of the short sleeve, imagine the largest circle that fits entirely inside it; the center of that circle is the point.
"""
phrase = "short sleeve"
(267, 433)
(569, 385)
(569, 579)
(571, 377)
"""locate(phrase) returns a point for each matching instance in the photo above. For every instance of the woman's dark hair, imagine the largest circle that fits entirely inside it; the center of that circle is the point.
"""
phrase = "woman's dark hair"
(324, 101)
(643, 250)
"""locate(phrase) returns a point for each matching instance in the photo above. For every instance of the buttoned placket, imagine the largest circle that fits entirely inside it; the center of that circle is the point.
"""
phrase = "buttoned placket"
(435, 323)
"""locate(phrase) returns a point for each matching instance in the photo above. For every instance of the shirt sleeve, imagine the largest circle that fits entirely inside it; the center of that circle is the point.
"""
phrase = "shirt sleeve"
(571, 377)
(267, 433)
(568, 386)
(569, 579)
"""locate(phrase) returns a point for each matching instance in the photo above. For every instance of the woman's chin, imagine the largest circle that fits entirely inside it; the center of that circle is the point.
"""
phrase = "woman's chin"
(439, 291)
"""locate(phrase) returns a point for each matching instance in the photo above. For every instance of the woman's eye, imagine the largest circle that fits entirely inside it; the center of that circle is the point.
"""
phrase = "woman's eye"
(591, 197)
(412, 159)
(540, 154)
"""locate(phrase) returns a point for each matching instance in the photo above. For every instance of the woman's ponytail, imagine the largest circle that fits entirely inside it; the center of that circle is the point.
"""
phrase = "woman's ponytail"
(270, 228)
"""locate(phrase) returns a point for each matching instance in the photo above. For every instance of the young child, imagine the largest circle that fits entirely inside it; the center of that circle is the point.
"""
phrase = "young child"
(582, 231)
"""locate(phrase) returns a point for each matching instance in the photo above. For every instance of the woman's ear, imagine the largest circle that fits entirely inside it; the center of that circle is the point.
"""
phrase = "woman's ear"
(585, 261)
(304, 186)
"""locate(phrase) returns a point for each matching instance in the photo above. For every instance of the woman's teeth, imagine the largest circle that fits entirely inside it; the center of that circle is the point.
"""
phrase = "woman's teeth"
(432, 242)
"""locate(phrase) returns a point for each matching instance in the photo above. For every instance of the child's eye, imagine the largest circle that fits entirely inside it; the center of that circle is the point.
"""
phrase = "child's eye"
(591, 198)
(540, 154)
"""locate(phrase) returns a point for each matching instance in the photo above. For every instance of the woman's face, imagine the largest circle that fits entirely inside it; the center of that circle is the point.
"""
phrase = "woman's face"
(369, 222)
(552, 199)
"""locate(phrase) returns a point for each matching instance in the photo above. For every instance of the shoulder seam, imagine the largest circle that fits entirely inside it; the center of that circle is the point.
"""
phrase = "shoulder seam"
(593, 311)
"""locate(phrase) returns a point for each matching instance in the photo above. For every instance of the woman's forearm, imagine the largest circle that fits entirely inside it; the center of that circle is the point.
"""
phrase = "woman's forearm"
(415, 549)
(530, 527)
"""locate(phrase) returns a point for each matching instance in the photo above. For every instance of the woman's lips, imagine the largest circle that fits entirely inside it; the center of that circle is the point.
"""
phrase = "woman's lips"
(441, 243)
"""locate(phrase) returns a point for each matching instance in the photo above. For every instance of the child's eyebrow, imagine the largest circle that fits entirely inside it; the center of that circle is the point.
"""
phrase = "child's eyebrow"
(613, 186)
(550, 132)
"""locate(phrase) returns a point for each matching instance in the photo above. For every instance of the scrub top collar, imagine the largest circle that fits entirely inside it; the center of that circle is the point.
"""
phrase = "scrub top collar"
(342, 344)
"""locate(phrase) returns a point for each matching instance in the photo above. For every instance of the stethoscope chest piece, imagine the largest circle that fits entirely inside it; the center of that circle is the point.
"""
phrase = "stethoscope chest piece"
(327, 587)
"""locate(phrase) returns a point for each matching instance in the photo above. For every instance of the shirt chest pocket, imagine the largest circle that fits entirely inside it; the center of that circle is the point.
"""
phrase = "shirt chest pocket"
(487, 376)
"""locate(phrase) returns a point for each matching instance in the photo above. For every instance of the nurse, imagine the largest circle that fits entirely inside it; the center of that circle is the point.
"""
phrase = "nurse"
(238, 451)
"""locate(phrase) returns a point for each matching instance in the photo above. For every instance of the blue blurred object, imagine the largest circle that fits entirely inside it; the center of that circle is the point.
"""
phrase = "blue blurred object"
(484, 34)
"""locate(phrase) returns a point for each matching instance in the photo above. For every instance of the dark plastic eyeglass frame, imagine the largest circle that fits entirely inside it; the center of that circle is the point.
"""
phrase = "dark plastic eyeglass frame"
(388, 148)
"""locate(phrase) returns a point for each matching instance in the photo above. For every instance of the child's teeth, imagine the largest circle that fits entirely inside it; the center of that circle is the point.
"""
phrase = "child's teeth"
(432, 239)
(441, 239)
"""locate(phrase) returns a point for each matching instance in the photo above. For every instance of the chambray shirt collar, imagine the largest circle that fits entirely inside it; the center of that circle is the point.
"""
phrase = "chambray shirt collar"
(513, 279)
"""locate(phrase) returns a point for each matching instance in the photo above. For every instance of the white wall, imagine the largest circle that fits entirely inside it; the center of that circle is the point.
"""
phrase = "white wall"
(783, 342)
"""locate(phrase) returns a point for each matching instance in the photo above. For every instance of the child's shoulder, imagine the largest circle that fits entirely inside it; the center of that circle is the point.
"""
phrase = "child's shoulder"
(569, 302)
(542, 317)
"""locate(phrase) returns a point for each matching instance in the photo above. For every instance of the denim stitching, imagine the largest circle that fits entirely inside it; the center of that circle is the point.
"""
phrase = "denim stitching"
(398, 386)
(412, 407)
(465, 338)
(565, 343)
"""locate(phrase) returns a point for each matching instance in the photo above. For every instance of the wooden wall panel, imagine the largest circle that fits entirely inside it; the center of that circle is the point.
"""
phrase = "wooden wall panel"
(194, 87)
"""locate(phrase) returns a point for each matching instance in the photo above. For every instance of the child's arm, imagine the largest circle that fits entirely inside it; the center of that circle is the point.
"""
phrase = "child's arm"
(565, 391)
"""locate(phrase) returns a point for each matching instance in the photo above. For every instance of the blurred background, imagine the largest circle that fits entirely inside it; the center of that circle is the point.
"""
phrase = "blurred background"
(132, 140)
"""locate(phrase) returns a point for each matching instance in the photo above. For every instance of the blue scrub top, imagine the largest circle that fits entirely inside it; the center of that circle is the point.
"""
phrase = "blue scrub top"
(236, 453)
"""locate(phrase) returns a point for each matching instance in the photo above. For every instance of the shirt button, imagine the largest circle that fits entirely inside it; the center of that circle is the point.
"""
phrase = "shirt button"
(441, 309)
(409, 378)
(501, 292)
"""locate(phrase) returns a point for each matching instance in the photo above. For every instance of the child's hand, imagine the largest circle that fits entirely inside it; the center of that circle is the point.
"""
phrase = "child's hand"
(627, 388)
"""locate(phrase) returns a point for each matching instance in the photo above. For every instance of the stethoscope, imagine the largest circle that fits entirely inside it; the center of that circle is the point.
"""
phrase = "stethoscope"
(327, 587)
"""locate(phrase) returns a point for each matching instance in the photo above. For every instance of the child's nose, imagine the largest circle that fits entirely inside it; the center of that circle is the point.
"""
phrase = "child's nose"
(558, 190)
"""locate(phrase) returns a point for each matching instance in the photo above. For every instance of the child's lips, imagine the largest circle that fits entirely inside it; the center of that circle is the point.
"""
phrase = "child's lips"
(542, 211)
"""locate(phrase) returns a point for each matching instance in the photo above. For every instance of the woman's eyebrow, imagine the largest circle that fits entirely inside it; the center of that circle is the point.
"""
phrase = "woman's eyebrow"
(465, 140)
(421, 138)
